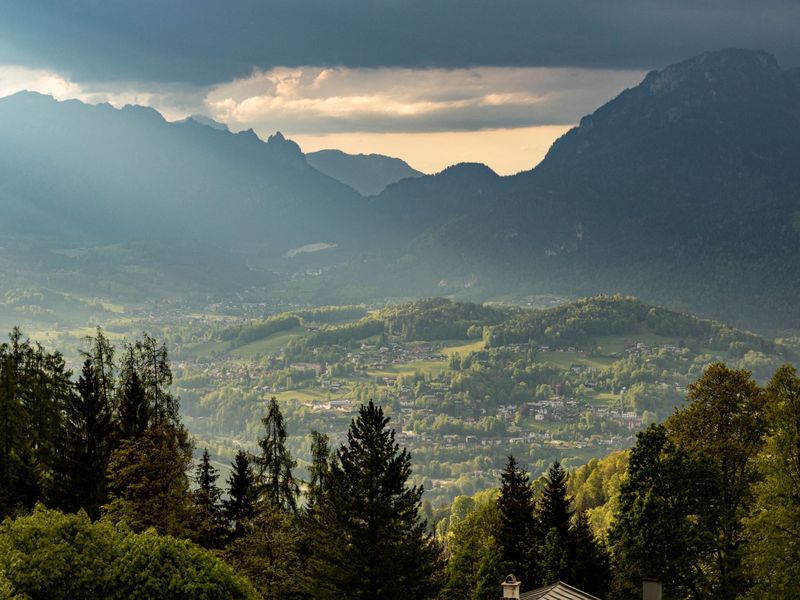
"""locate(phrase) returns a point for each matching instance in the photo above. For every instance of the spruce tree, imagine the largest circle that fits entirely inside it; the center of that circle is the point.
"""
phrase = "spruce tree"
(134, 410)
(589, 563)
(87, 441)
(147, 481)
(553, 522)
(156, 377)
(277, 485)
(238, 508)
(208, 522)
(517, 524)
(369, 540)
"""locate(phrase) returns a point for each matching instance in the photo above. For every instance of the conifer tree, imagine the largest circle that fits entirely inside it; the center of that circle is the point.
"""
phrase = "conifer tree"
(589, 563)
(369, 540)
(87, 441)
(156, 377)
(134, 410)
(101, 354)
(238, 508)
(12, 424)
(553, 522)
(208, 523)
(147, 481)
(517, 524)
(320, 466)
(277, 485)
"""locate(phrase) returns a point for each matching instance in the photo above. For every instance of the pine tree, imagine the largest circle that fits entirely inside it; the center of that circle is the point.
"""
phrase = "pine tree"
(238, 508)
(553, 521)
(517, 524)
(87, 440)
(208, 522)
(276, 484)
(369, 540)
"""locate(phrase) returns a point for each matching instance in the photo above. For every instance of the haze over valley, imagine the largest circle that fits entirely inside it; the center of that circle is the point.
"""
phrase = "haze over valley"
(364, 301)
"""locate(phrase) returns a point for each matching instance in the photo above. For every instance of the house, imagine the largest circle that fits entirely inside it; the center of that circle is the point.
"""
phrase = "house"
(557, 591)
(651, 590)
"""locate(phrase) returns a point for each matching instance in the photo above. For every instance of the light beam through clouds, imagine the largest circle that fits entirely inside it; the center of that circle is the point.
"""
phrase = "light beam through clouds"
(506, 117)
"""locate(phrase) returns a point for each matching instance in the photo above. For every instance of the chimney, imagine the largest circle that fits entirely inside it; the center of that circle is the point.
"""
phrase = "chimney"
(651, 589)
(511, 587)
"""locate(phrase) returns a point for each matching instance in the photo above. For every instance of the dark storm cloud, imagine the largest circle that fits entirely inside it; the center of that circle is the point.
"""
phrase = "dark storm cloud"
(205, 42)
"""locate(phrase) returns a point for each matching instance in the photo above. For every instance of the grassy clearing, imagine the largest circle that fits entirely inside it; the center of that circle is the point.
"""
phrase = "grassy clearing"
(461, 347)
(567, 359)
(426, 367)
(203, 349)
(304, 395)
(269, 345)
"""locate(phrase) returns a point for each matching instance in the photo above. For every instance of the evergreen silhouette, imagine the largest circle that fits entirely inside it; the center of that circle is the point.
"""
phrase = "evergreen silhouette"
(238, 507)
(277, 484)
(553, 516)
(517, 524)
(134, 410)
(88, 437)
(369, 540)
(208, 521)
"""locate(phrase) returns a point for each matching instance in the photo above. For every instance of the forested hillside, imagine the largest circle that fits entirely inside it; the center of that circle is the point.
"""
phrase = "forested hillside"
(97, 497)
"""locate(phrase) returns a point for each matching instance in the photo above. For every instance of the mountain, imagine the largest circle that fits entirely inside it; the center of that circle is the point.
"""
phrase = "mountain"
(100, 173)
(369, 174)
(683, 190)
(122, 204)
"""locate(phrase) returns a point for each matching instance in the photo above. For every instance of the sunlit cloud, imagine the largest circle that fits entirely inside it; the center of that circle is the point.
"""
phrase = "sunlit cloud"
(14, 78)
(504, 117)
(313, 100)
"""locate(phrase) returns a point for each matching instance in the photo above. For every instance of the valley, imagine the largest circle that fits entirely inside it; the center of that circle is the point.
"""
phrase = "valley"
(464, 384)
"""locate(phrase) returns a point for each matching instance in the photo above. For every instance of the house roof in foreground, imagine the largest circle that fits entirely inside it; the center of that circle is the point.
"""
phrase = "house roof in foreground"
(557, 591)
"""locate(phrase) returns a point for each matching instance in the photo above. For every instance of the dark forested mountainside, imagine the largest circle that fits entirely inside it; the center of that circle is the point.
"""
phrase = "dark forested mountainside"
(95, 172)
(683, 190)
(369, 174)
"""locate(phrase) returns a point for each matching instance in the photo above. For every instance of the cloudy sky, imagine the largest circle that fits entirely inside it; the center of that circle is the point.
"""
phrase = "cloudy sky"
(431, 81)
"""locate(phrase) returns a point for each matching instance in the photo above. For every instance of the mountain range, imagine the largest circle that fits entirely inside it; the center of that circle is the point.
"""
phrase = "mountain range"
(683, 190)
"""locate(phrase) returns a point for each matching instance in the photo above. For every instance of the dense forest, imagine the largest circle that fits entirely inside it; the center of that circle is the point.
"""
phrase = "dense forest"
(99, 470)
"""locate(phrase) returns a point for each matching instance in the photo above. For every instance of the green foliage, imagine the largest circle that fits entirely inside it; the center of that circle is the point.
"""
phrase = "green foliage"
(475, 563)
(207, 521)
(239, 506)
(276, 483)
(246, 334)
(268, 554)
(724, 425)
(368, 540)
(88, 439)
(662, 527)
(581, 322)
(773, 527)
(553, 517)
(517, 531)
(147, 481)
(52, 555)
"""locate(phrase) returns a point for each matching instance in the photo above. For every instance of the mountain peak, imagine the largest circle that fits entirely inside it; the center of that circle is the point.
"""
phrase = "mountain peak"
(207, 121)
(285, 146)
(733, 66)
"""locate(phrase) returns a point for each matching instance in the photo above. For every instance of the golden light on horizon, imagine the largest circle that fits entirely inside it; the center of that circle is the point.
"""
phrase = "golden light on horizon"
(507, 151)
